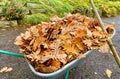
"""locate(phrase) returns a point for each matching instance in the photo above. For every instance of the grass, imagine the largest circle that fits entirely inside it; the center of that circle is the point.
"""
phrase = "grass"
(34, 19)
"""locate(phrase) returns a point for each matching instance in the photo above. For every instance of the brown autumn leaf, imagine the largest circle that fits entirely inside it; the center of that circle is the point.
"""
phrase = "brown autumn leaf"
(79, 44)
(37, 42)
(19, 40)
(27, 35)
(56, 63)
(64, 36)
(81, 33)
(81, 56)
(98, 34)
(104, 48)
(88, 42)
(45, 69)
(110, 28)
(70, 48)
(35, 30)
(55, 19)
(88, 21)
(89, 33)
(55, 46)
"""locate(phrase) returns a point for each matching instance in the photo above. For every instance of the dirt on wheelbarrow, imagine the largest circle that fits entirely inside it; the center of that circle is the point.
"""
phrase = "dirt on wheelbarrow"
(93, 67)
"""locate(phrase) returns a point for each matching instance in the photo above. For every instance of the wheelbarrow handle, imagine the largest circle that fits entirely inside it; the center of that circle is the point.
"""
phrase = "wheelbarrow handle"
(11, 54)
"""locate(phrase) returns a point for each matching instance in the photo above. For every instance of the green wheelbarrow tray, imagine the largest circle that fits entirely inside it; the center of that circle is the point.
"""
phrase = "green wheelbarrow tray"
(59, 72)
(62, 70)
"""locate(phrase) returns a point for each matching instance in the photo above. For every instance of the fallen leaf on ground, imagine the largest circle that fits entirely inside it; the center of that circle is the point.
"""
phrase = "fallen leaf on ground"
(108, 73)
(9, 69)
(3, 69)
(95, 73)
(6, 69)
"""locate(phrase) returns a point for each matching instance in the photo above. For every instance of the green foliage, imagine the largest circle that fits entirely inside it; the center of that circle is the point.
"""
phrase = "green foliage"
(45, 9)
(53, 7)
(60, 7)
(109, 11)
(48, 9)
(110, 8)
(11, 10)
(105, 8)
(34, 19)
(114, 0)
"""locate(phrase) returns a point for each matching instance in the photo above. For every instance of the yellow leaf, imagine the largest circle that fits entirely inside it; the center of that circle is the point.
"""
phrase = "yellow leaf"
(3, 69)
(9, 69)
(108, 73)
(6, 69)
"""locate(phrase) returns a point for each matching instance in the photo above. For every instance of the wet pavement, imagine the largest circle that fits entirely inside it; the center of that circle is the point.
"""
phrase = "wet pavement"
(93, 66)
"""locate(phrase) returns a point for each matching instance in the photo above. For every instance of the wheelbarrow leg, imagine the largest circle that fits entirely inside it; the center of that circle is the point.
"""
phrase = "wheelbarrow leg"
(67, 75)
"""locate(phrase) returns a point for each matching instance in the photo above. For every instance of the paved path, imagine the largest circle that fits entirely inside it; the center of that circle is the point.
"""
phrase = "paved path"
(92, 68)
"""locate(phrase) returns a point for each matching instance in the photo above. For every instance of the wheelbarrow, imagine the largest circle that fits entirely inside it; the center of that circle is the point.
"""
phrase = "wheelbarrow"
(58, 73)
(55, 74)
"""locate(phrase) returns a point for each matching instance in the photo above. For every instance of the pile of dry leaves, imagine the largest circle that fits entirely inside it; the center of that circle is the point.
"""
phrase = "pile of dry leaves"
(50, 45)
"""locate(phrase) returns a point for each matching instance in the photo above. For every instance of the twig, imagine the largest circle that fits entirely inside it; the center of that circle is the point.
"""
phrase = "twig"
(115, 54)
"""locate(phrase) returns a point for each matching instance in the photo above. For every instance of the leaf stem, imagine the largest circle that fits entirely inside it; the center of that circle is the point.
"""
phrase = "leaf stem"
(115, 54)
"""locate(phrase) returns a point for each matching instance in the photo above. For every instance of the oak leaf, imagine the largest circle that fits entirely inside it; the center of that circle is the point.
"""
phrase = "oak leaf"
(88, 42)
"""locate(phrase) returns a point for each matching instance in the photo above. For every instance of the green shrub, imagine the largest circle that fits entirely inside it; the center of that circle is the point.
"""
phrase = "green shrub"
(11, 10)
(19, 9)
(109, 11)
